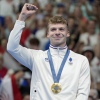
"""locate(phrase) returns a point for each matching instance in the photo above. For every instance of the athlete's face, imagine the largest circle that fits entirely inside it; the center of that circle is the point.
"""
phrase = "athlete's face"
(57, 33)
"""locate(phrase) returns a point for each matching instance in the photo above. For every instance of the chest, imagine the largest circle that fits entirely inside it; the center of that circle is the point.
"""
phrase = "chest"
(70, 70)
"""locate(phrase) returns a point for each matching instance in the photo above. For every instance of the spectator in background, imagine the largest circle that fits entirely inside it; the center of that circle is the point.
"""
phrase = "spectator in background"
(93, 94)
(41, 33)
(94, 60)
(26, 33)
(79, 47)
(77, 25)
(89, 53)
(25, 86)
(90, 98)
(3, 70)
(73, 28)
(9, 25)
(10, 86)
(61, 9)
(2, 32)
(90, 37)
(9, 62)
(26, 93)
(34, 43)
(96, 64)
(7, 8)
(3, 43)
(85, 7)
(77, 13)
(48, 10)
(80, 20)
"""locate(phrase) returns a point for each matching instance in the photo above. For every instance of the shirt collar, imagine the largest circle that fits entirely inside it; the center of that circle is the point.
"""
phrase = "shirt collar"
(58, 50)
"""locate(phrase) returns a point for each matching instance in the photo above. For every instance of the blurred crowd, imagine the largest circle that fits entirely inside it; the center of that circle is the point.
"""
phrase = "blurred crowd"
(83, 24)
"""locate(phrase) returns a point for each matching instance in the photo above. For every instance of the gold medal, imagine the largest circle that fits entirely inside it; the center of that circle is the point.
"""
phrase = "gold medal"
(56, 88)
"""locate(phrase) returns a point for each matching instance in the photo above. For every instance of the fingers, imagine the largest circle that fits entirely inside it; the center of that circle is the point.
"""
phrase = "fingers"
(27, 10)
(30, 7)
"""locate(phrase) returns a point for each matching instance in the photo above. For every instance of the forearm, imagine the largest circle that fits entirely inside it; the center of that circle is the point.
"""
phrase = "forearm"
(15, 35)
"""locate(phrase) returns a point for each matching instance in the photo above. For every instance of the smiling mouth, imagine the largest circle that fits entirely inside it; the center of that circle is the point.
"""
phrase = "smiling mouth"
(57, 38)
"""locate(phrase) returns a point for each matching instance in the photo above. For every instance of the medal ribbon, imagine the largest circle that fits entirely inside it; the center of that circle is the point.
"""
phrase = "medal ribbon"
(57, 78)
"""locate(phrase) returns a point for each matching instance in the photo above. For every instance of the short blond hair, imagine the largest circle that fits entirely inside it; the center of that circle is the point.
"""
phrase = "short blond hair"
(58, 20)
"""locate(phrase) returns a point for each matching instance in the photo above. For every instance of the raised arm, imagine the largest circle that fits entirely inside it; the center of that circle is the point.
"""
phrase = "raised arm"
(22, 54)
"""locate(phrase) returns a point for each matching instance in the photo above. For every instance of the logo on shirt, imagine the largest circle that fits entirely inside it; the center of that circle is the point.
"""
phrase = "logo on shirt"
(70, 60)
(46, 59)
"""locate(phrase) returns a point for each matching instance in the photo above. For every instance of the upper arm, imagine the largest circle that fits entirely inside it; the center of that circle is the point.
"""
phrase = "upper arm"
(24, 56)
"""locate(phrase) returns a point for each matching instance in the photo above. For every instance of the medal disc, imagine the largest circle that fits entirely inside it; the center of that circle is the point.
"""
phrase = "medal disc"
(56, 88)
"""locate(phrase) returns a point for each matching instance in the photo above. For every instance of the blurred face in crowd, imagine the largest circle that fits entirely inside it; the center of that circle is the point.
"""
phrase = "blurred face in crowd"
(8, 20)
(89, 55)
(77, 12)
(34, 43)
(60, 10)
(49, 8)
(41, 23)
(71, 22)
(57, 31)
(91, 27)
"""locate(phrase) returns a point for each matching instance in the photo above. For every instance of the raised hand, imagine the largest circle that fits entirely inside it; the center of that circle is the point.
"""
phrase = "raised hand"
(27, 10)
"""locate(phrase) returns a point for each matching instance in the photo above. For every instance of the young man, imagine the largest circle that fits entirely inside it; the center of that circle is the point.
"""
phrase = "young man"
(58, 73)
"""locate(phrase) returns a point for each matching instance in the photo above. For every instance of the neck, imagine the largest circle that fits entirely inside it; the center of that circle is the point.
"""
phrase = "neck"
(55, 47)
(60, 46)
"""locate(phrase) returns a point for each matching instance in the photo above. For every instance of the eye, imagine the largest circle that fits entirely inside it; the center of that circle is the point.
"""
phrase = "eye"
(53, 29)
(61, 29)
